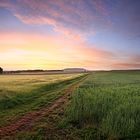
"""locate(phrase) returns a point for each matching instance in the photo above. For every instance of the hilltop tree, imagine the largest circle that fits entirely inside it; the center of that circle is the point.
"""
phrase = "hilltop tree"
(1, 70)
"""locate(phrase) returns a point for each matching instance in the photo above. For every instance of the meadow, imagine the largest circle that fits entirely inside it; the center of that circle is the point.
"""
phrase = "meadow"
(106, 106)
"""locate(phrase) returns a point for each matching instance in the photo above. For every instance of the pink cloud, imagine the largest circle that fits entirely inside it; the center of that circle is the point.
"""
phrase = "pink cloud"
(57, 14)
(126, 65)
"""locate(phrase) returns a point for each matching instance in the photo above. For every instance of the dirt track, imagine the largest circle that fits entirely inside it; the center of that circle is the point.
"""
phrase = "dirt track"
(25, 122)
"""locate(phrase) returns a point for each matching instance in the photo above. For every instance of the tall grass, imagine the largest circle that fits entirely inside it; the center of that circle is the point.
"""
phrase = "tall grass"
(111, 102)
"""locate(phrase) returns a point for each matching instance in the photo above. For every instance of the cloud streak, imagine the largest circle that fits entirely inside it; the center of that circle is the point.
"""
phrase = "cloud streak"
(82, 16)
(67, 14)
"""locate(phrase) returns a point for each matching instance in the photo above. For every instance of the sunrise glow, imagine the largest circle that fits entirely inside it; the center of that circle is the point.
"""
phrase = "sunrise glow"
(55, 34)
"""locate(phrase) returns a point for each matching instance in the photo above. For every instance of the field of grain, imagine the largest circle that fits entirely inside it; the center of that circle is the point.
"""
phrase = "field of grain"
(24, 83)
(107, 106)
(102, 105)
(23, 93)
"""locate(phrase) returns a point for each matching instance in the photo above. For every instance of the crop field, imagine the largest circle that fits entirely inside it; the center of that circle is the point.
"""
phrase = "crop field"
(107, 106)
(22, 93)
(20, 83)
(102, 105)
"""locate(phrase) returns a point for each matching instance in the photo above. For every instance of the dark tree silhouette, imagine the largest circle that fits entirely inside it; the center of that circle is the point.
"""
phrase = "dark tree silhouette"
(1, 70)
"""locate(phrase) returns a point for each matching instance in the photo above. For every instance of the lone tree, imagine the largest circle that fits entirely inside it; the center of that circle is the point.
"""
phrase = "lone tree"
(1, 70)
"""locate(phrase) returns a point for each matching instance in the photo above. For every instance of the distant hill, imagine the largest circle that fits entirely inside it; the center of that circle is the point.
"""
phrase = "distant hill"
(74, 70)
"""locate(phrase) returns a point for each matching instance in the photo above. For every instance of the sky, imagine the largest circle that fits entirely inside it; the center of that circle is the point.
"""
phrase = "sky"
(57, 34)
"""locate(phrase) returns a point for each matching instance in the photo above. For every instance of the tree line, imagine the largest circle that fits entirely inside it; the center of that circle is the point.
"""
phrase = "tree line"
(1, 70)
